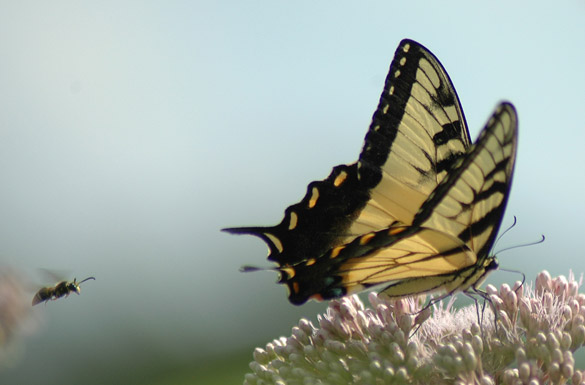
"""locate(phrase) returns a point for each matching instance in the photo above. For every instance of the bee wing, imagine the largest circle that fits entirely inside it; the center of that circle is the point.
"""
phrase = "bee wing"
(53, 275)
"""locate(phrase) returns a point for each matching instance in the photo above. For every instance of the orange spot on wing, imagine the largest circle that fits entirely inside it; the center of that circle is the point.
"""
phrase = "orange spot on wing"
(295, 287)
(335, 252)
(317, 297)
(366, 238)
(396, 230)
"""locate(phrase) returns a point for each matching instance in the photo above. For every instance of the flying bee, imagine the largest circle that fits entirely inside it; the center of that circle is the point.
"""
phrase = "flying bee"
(61, 289)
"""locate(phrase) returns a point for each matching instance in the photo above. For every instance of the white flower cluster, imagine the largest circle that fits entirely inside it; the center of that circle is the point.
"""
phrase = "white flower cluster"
(531, 340)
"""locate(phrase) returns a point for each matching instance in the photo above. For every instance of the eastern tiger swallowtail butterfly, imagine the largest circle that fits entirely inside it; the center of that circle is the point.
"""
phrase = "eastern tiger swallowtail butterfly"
(420, 209)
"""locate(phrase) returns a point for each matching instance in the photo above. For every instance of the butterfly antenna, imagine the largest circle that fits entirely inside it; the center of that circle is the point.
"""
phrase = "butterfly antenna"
(505, 231)
(523, 245)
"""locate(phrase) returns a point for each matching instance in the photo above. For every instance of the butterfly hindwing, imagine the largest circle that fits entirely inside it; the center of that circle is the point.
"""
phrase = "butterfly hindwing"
(315, 224)
(395, 254)
(417, 131)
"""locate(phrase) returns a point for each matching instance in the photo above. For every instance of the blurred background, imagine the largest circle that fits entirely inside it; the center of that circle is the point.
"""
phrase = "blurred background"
(132, 132)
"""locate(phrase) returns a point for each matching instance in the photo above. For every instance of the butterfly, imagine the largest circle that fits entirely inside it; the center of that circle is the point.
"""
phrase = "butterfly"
(420, 209)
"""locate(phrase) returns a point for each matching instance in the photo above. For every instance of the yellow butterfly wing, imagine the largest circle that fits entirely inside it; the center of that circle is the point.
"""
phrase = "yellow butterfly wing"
(447, 246)
(417, 132)
(420, 208)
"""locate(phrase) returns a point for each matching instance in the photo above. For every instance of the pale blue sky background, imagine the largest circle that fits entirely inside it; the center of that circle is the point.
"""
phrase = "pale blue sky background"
(132, 131)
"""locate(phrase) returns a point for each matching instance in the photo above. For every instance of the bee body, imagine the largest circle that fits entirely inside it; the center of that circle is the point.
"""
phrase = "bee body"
(62, 289)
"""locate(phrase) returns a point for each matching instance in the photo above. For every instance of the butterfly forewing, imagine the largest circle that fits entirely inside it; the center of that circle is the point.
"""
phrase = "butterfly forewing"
(417, 131)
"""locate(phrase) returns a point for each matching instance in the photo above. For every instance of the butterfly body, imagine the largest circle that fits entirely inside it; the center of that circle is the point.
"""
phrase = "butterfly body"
(419, 210)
